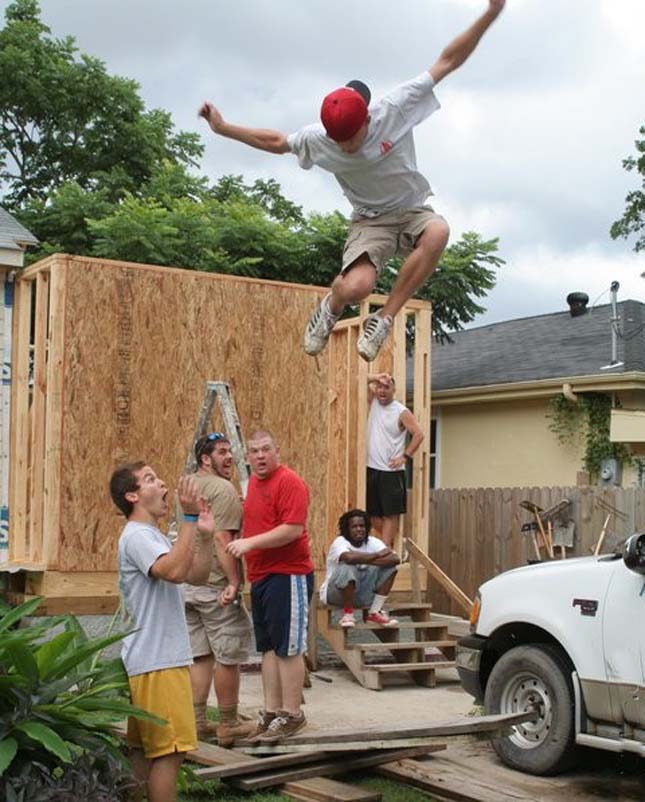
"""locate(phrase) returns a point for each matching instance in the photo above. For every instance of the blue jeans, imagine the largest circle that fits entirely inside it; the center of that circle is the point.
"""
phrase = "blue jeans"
(367, 579)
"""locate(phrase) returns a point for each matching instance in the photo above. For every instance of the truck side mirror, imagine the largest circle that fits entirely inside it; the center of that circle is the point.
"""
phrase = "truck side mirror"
(634, 553)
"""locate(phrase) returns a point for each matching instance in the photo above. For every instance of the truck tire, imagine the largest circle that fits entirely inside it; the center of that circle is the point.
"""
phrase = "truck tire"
(524, 677)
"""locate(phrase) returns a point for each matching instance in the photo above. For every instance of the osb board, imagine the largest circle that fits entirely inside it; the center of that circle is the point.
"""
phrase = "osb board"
(140, 344)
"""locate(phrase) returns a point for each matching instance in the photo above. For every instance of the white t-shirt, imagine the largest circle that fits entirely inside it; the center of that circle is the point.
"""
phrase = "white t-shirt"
(385, 438)
(383, 176)
(154, 607)
(339, 547)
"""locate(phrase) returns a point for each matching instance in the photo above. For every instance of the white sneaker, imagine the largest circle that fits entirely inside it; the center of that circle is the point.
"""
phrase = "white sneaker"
(375, 331)
(347, 620)
(319, 327)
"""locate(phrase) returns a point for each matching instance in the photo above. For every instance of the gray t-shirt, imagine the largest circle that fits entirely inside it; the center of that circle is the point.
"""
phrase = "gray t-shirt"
(383, 176)
(154, 607)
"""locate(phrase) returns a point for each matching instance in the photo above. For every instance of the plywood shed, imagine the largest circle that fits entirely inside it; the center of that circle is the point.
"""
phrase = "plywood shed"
(110, 364)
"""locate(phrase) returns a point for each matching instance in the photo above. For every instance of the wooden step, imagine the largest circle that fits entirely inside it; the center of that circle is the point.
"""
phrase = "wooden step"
(389, 668)
(384, 647)
(393, 628)
(423, 673)
(402, 605)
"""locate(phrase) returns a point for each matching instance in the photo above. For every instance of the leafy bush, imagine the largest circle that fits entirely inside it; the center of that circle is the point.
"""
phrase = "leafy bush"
(59, 704)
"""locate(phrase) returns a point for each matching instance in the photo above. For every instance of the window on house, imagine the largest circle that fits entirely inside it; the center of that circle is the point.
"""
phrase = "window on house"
(433, 454)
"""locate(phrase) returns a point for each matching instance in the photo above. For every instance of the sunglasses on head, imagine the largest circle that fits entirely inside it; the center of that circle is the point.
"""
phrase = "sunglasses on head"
(213, 437)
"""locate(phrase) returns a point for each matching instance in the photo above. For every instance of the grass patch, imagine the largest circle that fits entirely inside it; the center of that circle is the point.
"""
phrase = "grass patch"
(220, 792)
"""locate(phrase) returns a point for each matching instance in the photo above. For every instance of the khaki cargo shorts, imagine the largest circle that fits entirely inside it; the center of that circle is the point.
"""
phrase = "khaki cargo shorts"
(224, 632)
(392, 234)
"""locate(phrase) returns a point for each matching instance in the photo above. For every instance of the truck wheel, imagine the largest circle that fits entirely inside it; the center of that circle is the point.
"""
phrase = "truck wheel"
(527, 677)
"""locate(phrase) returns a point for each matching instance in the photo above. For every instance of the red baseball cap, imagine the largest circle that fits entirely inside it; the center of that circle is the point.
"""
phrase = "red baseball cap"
(342, 113)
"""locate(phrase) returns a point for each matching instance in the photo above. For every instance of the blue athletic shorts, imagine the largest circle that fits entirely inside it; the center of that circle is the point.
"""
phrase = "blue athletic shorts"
(280, 607)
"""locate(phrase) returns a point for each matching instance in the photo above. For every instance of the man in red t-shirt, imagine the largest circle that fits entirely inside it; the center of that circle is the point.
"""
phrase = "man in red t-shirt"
(275, 547)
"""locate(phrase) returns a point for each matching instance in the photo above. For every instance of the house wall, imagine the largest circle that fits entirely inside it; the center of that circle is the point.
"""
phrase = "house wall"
(503, 445)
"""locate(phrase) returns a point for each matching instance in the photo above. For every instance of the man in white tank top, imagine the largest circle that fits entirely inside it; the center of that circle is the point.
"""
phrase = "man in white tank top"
(388, 425)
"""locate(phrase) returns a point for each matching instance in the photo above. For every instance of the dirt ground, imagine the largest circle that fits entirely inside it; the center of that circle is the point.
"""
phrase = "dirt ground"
(468, 764)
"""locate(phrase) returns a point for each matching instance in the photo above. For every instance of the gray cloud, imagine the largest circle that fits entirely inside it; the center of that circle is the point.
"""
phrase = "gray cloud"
(528, 144)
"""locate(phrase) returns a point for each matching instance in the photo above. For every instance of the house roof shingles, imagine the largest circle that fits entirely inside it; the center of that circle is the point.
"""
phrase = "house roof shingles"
(542, 347)
(13, 235)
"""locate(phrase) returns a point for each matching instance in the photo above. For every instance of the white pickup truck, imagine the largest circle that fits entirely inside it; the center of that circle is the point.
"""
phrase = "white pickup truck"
(567, 640)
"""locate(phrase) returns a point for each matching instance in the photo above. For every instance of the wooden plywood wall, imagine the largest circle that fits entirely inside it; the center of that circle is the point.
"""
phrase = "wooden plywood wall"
(348, 410)
(140, 343)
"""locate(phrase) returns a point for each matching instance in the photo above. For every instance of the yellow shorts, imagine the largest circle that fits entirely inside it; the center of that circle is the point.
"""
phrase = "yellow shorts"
(167, 694)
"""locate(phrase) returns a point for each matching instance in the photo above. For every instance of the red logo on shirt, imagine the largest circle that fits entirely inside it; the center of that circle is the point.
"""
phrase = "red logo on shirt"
(386, 146)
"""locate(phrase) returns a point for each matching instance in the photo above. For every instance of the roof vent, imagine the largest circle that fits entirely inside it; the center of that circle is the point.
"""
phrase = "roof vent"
(577, 303)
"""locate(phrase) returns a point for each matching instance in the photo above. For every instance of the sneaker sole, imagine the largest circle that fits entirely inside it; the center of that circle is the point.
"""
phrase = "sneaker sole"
(313, 352)
(274, 739)
(366, 357)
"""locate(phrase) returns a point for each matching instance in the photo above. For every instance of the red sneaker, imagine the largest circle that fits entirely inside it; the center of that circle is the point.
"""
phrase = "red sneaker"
(381, 618)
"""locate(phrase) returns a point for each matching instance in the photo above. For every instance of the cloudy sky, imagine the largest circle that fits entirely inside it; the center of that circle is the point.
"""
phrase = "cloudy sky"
(527, 146)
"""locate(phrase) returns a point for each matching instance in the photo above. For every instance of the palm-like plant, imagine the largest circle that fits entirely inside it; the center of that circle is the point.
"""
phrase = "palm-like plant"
(58, 700)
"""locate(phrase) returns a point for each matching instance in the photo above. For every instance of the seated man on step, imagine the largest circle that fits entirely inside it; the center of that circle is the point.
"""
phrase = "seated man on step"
(360, 571)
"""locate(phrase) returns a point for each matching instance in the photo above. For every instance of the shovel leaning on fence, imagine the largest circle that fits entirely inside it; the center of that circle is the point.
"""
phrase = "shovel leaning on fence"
(536, 511)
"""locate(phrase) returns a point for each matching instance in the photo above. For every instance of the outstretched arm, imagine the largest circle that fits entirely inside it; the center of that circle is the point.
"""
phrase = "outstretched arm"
(261, 138)
(454, 55)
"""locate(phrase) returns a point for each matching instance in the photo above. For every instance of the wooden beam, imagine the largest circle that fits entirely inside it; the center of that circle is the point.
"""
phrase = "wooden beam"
(54, 415)
(246, 767)
(440, 576)
(37, 415)
(298, 750)
(324, 789)
(19, 440)
(340, 766)
(73, 605)
(465, 725)
(317, 789)
(444, 784)
(73, 583)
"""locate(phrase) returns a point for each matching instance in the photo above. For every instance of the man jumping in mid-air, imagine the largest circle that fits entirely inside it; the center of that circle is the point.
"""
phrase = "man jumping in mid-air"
(371, 153)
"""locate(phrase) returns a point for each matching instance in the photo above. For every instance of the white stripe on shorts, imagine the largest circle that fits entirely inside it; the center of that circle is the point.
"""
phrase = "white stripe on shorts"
(299, 615)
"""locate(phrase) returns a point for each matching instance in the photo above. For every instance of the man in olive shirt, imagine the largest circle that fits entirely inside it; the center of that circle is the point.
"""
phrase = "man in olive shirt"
(218, 623)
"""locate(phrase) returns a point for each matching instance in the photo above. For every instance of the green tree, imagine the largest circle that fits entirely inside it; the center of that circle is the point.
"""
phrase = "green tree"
(465, 273)
(633, 219)
(63, 118)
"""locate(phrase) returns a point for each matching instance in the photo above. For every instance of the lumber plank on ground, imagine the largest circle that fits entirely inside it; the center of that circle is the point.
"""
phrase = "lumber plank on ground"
(246, 766)
(324, 789)
(210, 755)
(286, 748)
(339, 766)
(447, 783)
(466, 725)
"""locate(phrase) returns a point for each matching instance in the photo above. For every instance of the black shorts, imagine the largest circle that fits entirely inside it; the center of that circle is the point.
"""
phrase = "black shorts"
(386, 493)
(280, 608)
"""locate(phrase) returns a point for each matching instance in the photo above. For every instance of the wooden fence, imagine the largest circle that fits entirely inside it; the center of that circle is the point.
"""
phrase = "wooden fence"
(475, 533)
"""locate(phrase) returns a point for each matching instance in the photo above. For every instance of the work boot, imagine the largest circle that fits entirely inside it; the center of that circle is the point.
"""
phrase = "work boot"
(229, 731)
(206, 730)
(282, 726)
(375, 330)
(319, 327)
